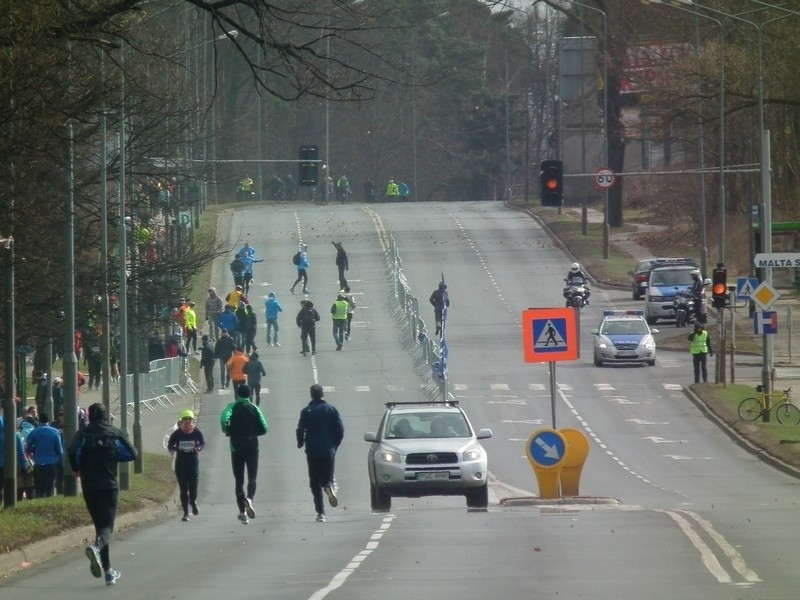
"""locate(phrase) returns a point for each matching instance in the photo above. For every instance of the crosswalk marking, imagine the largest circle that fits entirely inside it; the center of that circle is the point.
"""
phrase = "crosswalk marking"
(606, 390)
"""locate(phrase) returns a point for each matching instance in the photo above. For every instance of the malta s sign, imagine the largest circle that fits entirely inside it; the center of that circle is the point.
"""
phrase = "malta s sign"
(777, 260)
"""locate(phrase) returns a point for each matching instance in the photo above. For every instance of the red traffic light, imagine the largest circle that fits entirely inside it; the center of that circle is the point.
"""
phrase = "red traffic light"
(551, 180)
(719, 287)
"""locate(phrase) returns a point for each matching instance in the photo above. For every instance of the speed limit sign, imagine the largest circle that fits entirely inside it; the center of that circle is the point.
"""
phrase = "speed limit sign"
(604, 179)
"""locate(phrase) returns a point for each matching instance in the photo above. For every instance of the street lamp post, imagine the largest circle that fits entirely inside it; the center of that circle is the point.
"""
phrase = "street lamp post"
(721, 109)
(606, 233)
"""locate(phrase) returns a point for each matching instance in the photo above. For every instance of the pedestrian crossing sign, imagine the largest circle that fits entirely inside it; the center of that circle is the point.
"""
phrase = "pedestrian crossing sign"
(550, 334)
(745, 286)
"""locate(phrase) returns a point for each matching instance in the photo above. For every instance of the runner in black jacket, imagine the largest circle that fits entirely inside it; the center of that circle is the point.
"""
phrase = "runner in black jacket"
(93, 454)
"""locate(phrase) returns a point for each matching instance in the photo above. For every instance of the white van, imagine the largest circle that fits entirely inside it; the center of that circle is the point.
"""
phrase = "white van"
(663, 285)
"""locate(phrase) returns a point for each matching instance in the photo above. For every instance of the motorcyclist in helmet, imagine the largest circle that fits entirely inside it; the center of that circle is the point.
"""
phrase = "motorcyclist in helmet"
(698, 295)
(576, 271)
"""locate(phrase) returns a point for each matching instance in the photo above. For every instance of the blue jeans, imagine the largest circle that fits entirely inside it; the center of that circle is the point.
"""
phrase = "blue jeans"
(272, 325)
(339, 326)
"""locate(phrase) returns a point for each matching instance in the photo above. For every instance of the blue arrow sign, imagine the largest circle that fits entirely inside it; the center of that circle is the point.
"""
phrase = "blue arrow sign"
(547, 448)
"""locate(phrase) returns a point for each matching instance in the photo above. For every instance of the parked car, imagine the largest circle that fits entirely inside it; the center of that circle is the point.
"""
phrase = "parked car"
(623, 336)
(641, 272)
(427, 449)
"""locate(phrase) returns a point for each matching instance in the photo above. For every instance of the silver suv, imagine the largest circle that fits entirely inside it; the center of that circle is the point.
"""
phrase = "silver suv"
(427, 449)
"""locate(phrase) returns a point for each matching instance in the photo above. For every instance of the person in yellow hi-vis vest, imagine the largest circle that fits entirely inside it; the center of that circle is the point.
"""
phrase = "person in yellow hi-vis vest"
(392, 191)
(700, 348)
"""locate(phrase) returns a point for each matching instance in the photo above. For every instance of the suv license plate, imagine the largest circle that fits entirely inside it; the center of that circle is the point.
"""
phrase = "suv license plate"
(433, 476)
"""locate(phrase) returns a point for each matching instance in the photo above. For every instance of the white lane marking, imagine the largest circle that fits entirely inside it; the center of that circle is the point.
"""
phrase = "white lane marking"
(499, 387)
(509, 401)
(585, 425)
(622, 400)
(536, 387)
(659, 440)
(338, 580)
(362, 388)
(643, 422)
(706, 554)
(604, 387)
(673, 386)
(737, 561)
(460, 387)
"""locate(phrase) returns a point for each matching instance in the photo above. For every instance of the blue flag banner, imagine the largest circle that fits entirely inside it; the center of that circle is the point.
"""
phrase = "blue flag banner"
(442, 339)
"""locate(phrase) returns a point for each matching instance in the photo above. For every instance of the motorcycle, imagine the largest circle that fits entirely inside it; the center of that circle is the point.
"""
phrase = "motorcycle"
(686, 310)
(683, 307)
(576, 293)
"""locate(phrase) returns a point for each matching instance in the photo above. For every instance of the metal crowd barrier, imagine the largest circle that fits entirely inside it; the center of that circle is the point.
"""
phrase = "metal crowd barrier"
(166, 376)
(406, 310)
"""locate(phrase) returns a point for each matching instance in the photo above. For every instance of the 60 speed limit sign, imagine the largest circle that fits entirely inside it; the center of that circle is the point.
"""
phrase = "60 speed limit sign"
(604, 179)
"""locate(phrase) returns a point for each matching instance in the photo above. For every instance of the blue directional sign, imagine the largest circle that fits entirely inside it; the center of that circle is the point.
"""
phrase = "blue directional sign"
(546, 448)
(745, 286)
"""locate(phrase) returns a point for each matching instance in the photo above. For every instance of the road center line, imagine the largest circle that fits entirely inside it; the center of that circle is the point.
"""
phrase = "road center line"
(337, 580)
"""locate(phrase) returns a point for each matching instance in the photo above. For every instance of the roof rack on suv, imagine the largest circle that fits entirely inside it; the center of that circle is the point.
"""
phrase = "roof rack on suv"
(422, 402)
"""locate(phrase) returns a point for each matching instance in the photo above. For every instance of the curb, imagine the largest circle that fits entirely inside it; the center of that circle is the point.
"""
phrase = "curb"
(741, 441)
(44, 550)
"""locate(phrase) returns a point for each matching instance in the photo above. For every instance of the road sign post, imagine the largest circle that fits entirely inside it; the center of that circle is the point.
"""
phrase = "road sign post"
(550, 335)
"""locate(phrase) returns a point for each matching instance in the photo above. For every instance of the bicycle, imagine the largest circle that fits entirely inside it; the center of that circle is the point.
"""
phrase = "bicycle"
(786, 412)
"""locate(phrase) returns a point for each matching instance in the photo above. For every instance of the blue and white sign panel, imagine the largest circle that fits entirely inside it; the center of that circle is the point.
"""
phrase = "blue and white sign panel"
(765, 323)
(745, 286)
(547, 448)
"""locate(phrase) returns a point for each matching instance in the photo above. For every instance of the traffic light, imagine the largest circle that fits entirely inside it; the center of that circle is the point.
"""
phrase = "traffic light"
(309, 171)
(552, 182)
(719, 287)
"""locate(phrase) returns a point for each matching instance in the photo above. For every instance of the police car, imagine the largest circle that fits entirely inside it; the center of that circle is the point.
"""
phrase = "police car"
(624, 337)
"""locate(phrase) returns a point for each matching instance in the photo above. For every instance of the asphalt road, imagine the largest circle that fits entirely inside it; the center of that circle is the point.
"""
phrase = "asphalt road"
(685, 513)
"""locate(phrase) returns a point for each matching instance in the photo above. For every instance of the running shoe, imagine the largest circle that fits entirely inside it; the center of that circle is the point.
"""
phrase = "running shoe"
(332, 499)
(195, 512)
(185, 518)
(320, 518)
(93, 554)
(112, 576)
(248, 508)
(243, 518)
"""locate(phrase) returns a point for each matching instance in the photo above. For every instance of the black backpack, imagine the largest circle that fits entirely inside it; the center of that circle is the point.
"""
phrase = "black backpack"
(296, 259)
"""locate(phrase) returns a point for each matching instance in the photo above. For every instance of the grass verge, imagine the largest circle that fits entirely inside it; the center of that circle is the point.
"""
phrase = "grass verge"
(34, 520)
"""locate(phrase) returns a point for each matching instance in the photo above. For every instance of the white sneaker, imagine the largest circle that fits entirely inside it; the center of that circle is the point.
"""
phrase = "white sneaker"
(269, 344)
(248, 508)
(277, 344)
(243, 518)
(334, 502)
(320, 518)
